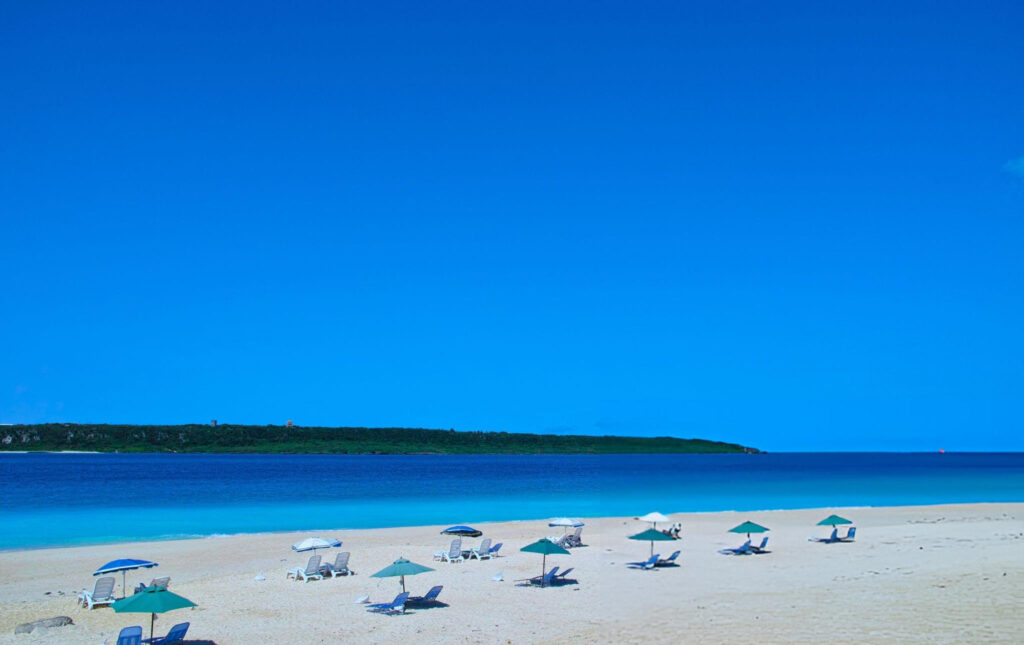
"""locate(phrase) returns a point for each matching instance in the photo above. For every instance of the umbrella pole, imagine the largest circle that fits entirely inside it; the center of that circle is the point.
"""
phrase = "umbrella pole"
(543, 567)
(124, 586)
(403, 584)
(152, 617)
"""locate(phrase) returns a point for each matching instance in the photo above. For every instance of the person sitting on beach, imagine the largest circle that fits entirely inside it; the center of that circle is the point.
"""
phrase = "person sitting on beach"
(674, 531)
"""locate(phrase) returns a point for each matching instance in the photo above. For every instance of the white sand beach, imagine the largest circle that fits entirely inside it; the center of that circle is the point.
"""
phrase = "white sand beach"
(935, 574)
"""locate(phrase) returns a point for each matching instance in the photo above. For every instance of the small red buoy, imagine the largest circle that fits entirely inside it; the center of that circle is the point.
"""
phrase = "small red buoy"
(942, 451)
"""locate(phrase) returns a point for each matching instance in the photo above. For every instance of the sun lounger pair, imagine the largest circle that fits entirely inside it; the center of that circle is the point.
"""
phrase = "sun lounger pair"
(102, 593)
(832, 539)
(175, 636)
(549, 578)
(747, 549)
(164, 582)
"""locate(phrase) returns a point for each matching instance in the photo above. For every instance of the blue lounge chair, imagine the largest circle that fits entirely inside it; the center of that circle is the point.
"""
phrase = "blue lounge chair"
(174, 636)
(831, 539)
(647, 564)
(561, 577)
(743, 549)
(850, 533)
(543, 580)
(761, 547)
(494, 549)
(130, 636)
(670, 561)
(395, 606)
(429, 599)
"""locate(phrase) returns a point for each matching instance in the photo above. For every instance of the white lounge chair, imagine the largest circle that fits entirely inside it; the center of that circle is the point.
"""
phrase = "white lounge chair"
(339, 567)
(102, 593)
(311, 572)
(482, 552)
(454, 553)
(440, 555)
(574, 539)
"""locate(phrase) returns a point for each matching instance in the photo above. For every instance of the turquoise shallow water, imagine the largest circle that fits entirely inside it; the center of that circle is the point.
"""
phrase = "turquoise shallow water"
(65, 499)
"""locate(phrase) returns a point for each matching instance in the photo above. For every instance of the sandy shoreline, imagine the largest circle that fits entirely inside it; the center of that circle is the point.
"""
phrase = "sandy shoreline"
(944, 574)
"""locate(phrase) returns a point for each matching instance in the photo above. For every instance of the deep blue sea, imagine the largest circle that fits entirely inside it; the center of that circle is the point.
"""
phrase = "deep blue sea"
(65, 499)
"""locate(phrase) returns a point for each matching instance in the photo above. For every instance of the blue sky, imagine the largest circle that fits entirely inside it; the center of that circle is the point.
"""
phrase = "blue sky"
(797, 227)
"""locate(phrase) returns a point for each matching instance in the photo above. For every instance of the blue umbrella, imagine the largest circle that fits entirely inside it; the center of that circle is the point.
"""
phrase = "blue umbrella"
(123, 565)
(464, 531)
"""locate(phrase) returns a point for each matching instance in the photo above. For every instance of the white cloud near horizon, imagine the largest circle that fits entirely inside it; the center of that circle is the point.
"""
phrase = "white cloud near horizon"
(1015, 167)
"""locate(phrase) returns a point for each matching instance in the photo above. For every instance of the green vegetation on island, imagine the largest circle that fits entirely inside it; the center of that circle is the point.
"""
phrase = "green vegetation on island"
(295, 439)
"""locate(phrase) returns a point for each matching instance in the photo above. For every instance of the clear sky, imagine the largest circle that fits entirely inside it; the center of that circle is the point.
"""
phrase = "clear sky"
(798, 227)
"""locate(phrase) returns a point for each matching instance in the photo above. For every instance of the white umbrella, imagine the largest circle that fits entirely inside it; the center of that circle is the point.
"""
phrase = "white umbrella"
(654, 518)
(565, 522)
(314, 543)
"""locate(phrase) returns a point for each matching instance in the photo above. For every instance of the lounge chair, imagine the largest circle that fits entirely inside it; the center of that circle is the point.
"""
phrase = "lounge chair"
(493, 552)
(536, 580)
(829, 540)
(163, 581)
(575, 539)
(454, 553)
(850, 533)
(649, 563)
(743, 549)
(130, 636)
(102, 593)
(760, 549)
(311, 572)
(561, 577)
(175, 636)
(428, 599)
(395, 606)
(481, 552)
(670, 561)
(339, 567)
(561, 540)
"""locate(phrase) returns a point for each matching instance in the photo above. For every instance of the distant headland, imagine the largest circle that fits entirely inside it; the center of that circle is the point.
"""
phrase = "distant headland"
(52, 437)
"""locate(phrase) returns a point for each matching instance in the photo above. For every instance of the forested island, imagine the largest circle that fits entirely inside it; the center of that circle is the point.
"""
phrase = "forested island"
(321, 440)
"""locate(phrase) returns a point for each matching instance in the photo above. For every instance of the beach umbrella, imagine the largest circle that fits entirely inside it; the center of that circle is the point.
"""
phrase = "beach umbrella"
(748, 528)
(545, 547)
(124, 565)
(401, 567)
(566, 523)
(152, 601)
(652, 535)
(654, 518)
(833, 520)
(461, 530)
(314, 543)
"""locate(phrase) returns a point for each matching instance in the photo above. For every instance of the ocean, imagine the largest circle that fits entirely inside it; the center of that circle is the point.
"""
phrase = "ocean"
(72, 499)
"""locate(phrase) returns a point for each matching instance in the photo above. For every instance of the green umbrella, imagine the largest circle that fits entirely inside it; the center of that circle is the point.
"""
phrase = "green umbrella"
(748, 528)
(153, 601)
(652, 536)
(401, 567)
(832, 520)
(545, 547)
